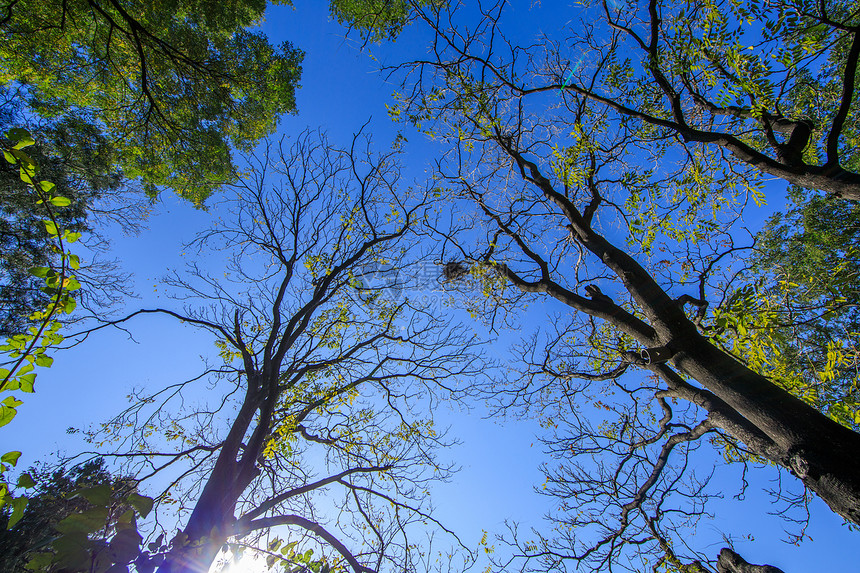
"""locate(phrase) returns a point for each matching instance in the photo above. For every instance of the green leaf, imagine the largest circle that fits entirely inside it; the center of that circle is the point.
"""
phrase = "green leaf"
(70, 237)
(40, 562)
(125, 546)
(47, 186)
(51, 227)
(127, 518)
(18, 504)
(25, 160)
(27, 173)
(26, 480)
(141, 503)
(40, 272)
(26, 383)
(84, 523)
(7, 414)
(21, 137)
(44, 361)
(98, 495)
(12, 402)
(289, 548)
(10, 458)
(71, 550)
(60, 202)
(74, 261)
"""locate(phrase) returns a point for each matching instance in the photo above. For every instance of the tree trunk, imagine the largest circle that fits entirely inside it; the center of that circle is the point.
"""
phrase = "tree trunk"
(208, 528)
(211, 522)
(823, 454)
(731, 562)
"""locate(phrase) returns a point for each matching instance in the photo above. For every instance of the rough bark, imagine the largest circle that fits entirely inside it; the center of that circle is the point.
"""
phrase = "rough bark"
(820, 452)
(731, 562)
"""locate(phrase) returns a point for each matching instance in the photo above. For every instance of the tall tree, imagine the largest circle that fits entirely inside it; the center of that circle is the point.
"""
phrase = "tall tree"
(637, 258)
(130, 90)
(175, 85)
(322, 369)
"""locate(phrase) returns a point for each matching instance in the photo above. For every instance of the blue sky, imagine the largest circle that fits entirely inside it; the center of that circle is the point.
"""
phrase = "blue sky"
(341, 90)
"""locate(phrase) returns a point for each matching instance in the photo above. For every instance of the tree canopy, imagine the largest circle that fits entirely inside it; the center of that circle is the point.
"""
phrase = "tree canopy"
(173, 85)
(772, 84)
(376, 20)
(792, 319)
(79, 161)
(55, 497)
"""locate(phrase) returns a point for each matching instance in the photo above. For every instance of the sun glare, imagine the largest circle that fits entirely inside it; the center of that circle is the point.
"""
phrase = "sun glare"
(248, 562)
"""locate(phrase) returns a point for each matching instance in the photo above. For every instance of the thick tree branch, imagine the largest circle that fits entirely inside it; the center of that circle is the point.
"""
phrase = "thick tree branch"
(313, 527)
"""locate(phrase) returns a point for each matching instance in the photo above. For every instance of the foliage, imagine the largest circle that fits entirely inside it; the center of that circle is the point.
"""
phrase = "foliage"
(771, 83)
(630, 258)
(795, 322)
(375, 20)
(79, 162)
(172, 84)
(29, 349)
(59, 501)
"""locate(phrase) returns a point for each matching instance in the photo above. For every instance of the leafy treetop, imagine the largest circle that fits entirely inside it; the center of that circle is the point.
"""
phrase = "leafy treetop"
(173, 84)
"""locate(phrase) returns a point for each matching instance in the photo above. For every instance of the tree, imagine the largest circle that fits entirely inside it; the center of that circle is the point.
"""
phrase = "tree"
(376, 20)
(795, 321)
(57, 496)
(320, 363)
(561, 192)
(97, 146)
(175, 86)
(106, 530)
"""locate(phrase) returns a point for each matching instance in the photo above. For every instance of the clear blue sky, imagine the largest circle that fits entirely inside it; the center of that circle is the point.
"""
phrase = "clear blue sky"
(341, 90)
